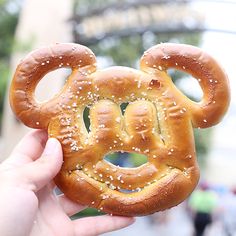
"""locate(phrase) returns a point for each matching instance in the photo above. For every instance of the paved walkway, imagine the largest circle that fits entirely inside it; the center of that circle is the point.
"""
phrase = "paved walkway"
(173, 222)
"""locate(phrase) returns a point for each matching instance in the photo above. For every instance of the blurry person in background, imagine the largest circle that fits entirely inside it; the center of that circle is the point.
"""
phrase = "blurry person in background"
(202, 203)
(227, 212)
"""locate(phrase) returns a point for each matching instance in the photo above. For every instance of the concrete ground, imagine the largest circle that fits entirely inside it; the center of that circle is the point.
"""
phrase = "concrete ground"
(174, 222)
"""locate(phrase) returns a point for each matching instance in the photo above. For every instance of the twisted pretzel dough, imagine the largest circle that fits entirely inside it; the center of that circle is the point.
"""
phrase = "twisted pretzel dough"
(157, 122)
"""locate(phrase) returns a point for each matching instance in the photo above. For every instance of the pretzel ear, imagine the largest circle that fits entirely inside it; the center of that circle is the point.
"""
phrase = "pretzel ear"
(204, 68)
(33, 68)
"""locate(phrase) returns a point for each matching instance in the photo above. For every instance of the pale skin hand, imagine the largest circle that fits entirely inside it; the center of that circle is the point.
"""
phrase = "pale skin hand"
(27, 202)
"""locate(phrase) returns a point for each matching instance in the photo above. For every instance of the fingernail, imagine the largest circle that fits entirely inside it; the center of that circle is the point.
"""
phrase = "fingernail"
(132, 220)
(51, 146)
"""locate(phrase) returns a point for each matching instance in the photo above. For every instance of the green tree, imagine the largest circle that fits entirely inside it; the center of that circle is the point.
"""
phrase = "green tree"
(9, 11)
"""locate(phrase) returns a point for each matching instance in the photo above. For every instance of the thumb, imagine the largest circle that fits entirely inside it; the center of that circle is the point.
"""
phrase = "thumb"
(40, 172)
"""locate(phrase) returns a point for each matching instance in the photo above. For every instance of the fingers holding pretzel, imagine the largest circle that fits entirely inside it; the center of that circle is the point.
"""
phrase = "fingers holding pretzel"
(157, 122)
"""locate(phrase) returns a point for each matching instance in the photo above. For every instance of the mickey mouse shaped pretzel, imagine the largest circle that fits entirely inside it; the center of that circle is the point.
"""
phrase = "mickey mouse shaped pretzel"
(158, 122)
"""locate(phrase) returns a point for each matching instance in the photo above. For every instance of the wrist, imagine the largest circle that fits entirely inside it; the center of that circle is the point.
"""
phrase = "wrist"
(18, 209)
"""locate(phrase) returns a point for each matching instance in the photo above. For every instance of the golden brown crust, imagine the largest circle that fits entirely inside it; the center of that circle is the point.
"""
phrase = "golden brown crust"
(211, 77)
(157, 123)
(32, 69)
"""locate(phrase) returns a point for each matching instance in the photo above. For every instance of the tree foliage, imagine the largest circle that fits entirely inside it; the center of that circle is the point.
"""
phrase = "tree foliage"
(8, 21)
(9, 11)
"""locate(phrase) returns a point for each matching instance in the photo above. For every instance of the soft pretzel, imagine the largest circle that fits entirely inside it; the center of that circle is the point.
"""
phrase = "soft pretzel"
(158, 122)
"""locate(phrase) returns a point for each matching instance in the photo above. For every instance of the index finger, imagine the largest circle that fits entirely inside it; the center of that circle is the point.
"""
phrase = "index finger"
(29, 148)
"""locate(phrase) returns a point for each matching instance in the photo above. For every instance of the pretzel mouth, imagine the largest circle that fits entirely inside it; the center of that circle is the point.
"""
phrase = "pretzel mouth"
(123, 187)
(108, 192)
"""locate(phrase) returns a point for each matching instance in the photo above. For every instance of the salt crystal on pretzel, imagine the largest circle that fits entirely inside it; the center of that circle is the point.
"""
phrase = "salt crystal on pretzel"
(158, 122)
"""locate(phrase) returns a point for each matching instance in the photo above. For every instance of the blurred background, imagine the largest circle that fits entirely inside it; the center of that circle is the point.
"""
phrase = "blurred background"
(119, 32)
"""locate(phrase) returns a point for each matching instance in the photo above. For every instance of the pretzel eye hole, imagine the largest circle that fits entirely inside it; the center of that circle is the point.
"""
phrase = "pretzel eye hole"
(126, 159)
(50, 78)
(86, 118)
(123, 107)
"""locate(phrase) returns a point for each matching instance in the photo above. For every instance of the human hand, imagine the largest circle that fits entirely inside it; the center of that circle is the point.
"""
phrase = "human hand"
(27, 201)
